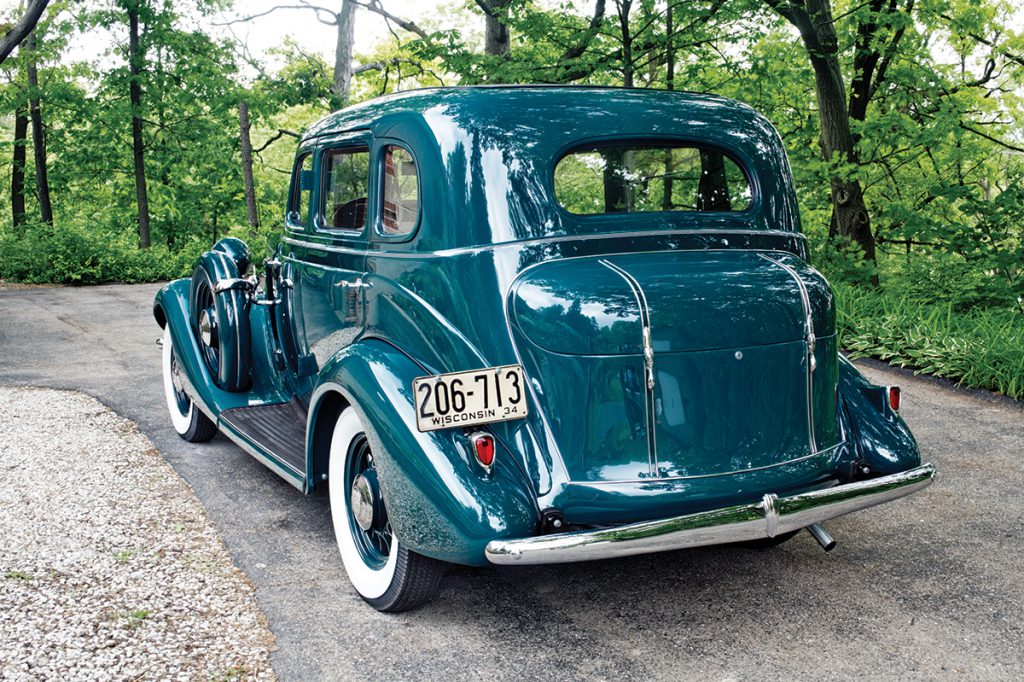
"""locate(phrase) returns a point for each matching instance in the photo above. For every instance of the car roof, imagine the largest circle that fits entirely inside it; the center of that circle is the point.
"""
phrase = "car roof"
(525, 105)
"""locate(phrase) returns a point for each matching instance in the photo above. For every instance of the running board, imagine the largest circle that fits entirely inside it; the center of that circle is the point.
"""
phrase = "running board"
(277, 431)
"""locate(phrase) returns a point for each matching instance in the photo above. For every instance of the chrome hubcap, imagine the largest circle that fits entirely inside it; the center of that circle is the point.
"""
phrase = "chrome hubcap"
(363, 500)
(207, 328)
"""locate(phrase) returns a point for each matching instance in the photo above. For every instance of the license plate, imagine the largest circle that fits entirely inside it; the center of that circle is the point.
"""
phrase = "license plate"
(480, 396)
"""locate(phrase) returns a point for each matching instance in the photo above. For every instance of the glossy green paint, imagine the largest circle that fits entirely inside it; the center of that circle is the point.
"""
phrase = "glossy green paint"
(497, 273)
(440, 501)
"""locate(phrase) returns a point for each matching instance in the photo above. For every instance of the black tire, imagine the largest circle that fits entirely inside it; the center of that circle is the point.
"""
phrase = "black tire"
(768, 543)
(227, 346)
(188, 420)
(386, 574)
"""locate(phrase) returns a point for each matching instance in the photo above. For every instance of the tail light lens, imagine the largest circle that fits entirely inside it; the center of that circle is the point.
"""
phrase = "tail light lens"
(894, 397)
(483, 447)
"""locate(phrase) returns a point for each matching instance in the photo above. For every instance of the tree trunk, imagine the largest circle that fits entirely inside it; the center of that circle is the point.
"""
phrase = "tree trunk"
(15, 34)
(18, 168)
(135, 94)
(346, 17)
(250, 186)
(614, 190)
(850, 221)
(38, 134)
(496, 38)
(625, 6)
(712, 188)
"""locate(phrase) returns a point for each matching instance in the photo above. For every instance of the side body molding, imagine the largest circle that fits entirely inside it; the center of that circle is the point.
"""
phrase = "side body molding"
(442, 504)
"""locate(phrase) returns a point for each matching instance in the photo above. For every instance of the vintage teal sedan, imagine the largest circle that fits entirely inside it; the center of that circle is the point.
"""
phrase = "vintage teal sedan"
(528, 325)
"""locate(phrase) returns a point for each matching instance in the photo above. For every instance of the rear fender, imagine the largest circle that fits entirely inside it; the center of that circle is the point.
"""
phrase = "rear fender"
(879, 435)
(440, 502)
(171, 310)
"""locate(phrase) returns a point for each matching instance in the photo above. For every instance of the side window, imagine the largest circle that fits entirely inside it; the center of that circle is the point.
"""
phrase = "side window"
(401, 205)
(346, 184)
(302, 185)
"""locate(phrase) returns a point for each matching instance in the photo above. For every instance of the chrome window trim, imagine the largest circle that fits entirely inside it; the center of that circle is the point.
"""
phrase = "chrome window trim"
(445, 253)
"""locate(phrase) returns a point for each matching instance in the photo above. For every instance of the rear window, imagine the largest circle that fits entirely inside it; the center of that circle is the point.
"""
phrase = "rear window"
(638, 178)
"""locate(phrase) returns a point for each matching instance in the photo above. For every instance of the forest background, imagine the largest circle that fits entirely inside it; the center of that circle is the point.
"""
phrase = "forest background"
(134, 133)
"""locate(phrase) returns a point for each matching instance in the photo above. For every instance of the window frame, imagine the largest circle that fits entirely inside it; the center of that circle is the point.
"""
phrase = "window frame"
(294, 187)
(656, 142)
(378, 223)
(350, 145)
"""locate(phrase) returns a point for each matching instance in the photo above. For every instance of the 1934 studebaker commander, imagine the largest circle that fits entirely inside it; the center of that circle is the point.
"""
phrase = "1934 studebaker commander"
(527, 325)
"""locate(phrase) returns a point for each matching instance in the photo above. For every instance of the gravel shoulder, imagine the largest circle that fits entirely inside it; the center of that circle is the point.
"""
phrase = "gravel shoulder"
(109, 566)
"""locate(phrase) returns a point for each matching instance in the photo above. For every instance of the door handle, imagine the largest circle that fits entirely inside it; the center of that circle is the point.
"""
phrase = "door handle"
(358, 283)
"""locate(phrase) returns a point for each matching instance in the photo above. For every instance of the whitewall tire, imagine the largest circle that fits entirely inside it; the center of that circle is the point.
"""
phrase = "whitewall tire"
(190, 423)
(386, 574)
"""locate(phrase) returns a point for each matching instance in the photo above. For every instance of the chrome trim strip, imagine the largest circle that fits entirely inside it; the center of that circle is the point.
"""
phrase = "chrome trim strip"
(648, 358)
(809, 339)
(444, 253)
(738, 523)
(598, 484)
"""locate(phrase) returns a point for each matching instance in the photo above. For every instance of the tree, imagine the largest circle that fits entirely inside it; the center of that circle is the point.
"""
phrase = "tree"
(38, 133)
(135, 59)
(814, 20)
(18, 168)
(344, 20)
(496, 37)
(22, 28)
(250, 187)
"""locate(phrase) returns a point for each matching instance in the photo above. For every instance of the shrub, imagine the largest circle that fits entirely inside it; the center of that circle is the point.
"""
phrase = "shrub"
(75, 254)
(977, 347)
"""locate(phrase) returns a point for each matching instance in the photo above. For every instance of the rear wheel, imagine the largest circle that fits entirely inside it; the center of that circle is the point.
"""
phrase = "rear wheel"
(385, 573)
(190, 423)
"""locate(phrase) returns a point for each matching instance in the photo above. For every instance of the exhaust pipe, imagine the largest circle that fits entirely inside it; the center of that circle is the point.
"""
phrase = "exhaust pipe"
(827, 542)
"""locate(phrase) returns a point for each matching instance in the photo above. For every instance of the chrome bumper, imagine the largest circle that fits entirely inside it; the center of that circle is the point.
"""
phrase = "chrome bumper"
(771, 516)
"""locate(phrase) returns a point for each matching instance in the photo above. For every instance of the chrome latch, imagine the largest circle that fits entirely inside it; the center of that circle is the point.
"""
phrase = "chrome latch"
(358, 283)
(649, 358)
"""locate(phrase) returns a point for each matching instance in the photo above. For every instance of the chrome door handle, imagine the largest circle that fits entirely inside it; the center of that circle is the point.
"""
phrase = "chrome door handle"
(356, 284)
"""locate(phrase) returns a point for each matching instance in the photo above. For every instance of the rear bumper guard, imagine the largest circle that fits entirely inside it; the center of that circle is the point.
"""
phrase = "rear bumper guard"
(772, 516)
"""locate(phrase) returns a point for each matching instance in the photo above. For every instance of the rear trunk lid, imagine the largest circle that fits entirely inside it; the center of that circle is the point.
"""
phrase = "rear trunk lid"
(679, 364)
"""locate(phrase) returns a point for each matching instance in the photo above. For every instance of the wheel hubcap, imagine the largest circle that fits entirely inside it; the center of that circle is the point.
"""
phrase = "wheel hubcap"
(363, 501)
(207, 328)
(368, 516)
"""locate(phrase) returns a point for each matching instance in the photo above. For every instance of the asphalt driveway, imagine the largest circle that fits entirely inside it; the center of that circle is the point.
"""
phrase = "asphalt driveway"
(931, 586)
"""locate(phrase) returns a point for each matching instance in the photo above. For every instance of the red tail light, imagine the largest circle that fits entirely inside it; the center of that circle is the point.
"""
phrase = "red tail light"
(483, 445)
(894, 398)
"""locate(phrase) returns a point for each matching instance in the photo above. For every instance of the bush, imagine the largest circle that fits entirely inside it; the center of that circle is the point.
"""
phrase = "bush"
(977, 347)
(74, 254)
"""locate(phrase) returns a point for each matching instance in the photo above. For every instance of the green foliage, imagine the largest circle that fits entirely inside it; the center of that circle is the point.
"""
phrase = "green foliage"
(82, 253)
(980, 348)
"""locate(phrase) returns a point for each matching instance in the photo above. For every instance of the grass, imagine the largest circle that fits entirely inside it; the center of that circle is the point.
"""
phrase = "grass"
(135, 618)
(980, 347)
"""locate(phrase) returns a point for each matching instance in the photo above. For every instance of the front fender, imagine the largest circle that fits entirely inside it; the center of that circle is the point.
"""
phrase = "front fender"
(880, 436)
(440, 502)
(171, 310)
